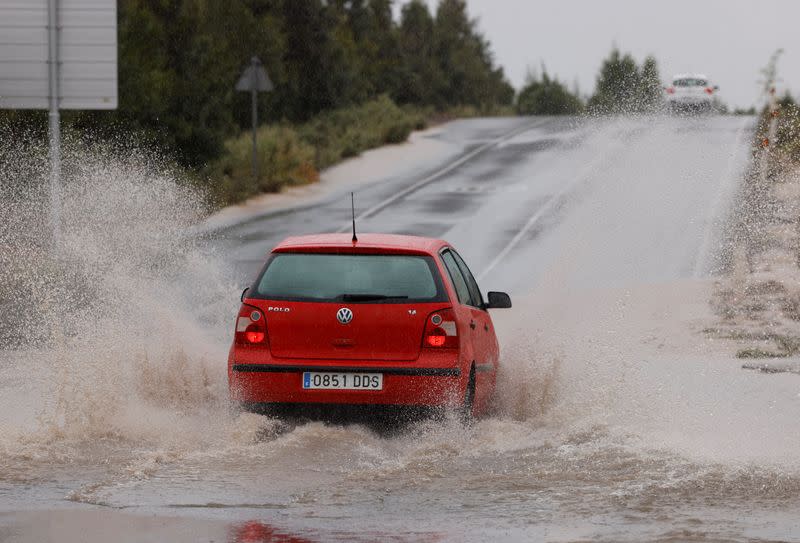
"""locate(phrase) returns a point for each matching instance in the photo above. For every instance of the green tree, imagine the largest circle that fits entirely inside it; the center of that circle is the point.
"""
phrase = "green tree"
(384, 46)
(177, 66)
(651, 89)
(546, 96)
(623, 87)
(375, 34)
(420, 75)
(616, 90)
(245, 28)
(464, 56)
(315, 62)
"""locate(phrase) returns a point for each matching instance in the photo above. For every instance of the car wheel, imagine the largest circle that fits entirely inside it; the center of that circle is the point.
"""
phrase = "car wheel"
(469, 398)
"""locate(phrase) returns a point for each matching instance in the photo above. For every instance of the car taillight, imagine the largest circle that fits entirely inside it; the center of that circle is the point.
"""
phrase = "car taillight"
(251, 326)
(441, 331)
(709, 90)
(670, 90)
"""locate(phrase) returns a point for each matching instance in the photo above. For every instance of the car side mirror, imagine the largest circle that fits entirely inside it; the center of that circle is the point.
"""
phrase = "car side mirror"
(243, 293)
(498, 300)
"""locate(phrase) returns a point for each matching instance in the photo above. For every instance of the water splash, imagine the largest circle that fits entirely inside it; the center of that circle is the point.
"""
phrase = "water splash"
(114, 387)
(127, 315)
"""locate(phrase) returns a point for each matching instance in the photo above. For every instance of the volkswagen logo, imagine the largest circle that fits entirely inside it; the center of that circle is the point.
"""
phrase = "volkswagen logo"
(344, 315)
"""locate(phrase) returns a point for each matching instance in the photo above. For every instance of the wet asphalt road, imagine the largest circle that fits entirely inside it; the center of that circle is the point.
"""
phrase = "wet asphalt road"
(616, 419)
(379, 209)
(624, 200)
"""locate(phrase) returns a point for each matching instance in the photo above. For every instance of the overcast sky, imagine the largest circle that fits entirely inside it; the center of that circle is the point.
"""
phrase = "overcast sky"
(728, 40)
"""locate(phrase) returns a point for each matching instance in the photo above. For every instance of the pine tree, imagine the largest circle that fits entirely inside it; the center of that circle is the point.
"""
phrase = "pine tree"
(616, 85)
(651, 90)
(420, 74)
(383, 47)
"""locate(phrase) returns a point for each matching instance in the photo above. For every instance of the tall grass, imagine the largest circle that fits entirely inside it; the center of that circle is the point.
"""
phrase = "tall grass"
(346, 132)
(284, 159)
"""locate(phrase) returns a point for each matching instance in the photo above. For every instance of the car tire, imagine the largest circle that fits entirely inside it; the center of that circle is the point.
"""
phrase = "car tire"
(467, 407)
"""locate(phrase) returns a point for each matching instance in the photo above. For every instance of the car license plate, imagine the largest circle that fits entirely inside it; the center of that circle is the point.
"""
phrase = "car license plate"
(318, 380)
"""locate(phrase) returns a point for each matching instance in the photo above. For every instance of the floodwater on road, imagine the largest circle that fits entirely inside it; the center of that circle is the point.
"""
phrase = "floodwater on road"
(616, 418)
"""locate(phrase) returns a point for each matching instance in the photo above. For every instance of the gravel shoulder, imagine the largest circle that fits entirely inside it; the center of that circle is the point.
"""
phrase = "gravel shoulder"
(758, 302)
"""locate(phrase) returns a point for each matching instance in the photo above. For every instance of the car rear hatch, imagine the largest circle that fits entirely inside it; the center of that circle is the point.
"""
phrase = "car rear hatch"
(348, 306)
(374, 331)
(690, 89)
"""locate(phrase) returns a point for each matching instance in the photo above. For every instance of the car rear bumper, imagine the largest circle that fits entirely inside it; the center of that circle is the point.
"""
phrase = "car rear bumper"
(390, 370)
(403, 385)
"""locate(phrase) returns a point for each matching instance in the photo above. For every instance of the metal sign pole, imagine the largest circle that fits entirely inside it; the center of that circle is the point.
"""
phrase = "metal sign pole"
(55, 122)
(254, 62)
(254, 79)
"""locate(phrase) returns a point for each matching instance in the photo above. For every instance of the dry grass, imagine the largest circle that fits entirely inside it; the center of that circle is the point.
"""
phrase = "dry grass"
(758, 303)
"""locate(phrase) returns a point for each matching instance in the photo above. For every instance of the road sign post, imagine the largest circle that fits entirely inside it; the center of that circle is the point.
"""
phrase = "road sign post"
(254, 79)
(54, 118)
(254, 119)
(54, 55)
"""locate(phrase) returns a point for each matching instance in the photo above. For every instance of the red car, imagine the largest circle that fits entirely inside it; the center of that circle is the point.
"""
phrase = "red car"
(385, 324)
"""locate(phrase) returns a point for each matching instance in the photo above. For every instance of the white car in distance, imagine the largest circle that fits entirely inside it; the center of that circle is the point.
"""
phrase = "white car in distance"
(690, 93)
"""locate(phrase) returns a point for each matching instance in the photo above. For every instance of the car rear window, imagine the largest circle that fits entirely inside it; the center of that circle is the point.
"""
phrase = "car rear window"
(350, 278)
(690, 82)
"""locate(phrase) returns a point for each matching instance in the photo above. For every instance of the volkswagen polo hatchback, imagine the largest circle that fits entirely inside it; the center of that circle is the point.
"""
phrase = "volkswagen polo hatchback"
(385, 324)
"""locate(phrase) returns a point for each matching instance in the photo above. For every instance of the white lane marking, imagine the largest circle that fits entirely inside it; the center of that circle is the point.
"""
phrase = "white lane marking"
(439, 173)
(705, 251)
(584, 175)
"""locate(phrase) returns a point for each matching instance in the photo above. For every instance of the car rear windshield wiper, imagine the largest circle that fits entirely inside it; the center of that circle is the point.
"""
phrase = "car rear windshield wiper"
(368, 297)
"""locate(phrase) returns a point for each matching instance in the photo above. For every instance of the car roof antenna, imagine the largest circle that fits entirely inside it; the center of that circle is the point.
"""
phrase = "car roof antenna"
(353, 209)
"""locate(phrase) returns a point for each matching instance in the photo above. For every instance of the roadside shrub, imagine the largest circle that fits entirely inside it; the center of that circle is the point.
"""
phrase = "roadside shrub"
(347, 132)
(284, 159)
(788, 136)
(547, 96)
(294, 154)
